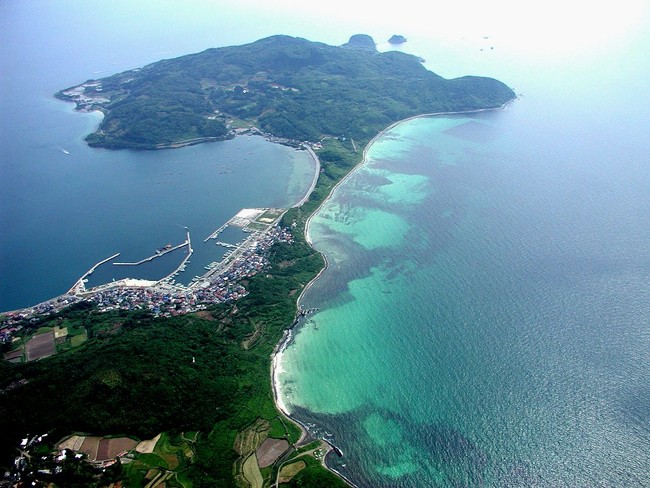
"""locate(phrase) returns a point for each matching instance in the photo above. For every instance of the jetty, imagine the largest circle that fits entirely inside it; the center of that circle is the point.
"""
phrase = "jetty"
(338, 451)
(157, 255)
(181, 267)
(79, 286)
(216, 233)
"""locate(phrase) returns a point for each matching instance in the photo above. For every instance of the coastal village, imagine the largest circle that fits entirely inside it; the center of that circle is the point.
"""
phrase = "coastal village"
(223, 282)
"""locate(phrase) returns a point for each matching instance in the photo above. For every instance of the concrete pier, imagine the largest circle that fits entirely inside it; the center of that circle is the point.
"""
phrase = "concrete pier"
(216, 233)
(188, 243)
(79, 286)
(157, 255)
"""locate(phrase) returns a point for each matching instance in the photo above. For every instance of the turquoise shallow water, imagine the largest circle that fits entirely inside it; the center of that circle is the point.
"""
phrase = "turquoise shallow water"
(484, 320)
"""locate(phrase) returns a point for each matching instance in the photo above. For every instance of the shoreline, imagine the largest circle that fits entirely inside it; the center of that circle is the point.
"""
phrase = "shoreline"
(288, 335)
(309, 191)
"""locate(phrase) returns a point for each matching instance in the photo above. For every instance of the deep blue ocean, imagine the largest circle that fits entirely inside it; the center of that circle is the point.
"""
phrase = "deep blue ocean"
(65, 206)
(485, 320)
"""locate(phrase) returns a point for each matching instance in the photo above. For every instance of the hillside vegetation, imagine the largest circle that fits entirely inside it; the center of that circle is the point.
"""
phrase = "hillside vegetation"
(288, 87)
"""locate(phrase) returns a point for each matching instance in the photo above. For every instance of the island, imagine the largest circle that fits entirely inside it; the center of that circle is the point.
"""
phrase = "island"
(181, 395)
(397, 39)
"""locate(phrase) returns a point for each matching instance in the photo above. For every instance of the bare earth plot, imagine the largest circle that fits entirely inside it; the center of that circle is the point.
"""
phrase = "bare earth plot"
(40, 346)
(90, 446)
(111, 448)
(270, 451)
(73, 443)
(147, 447)
(98, 449)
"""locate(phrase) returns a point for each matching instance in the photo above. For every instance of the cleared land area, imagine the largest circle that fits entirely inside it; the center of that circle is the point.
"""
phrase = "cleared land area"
(40, 346)
(60, 332)
(252, 472)
(98, 449)
(111, 448)
(147, 447)
(270, 451)
(90, 446)
(73, 443)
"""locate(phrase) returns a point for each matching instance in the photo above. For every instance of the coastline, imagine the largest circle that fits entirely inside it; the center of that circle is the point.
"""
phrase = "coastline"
(307, 194)
(276, 356)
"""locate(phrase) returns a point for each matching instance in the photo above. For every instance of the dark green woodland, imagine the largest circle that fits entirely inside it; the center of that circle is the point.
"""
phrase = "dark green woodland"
(288, 87)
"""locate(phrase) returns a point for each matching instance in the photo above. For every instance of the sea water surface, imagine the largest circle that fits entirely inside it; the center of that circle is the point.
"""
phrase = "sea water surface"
(65, 206)
(485, 318)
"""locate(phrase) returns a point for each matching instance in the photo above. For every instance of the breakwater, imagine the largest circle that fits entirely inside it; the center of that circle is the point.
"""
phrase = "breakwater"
(158, 254)
(80, 286)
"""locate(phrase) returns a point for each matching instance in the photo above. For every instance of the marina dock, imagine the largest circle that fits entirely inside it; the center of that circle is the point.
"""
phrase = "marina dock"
(181, 267)
(259, 220)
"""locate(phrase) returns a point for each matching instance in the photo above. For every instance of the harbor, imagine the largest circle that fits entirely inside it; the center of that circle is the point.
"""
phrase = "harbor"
(80, 285)
(220, 281)
(160, 252)
(181, 267)
(255, 222)
(216, 233)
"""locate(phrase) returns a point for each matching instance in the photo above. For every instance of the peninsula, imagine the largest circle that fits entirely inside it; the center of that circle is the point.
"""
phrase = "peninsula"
(192, 391)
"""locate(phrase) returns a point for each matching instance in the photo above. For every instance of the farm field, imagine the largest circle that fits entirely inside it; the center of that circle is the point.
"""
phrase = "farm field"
(40, 346)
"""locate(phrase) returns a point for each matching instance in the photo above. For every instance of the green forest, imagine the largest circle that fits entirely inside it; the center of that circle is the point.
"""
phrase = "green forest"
(288, 87)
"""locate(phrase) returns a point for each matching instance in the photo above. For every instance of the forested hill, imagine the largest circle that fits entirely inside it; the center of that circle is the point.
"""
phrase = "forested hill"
(289, 87)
